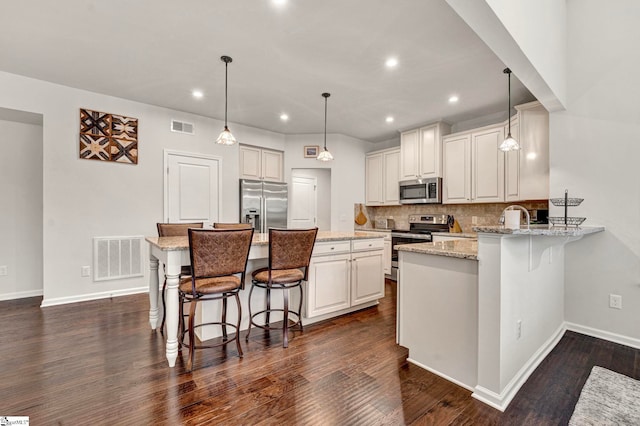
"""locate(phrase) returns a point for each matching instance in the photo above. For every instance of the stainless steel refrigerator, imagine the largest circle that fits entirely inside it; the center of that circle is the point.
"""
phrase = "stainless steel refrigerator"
(263, 204)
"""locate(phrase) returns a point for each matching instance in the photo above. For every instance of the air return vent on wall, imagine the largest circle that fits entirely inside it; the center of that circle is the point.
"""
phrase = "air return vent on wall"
(117, 257)
(181, 127)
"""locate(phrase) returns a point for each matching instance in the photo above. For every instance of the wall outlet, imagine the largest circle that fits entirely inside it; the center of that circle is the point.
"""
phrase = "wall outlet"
(4, 270)
(474, 220)
(85, 271)
(518, 329)
(615, 301)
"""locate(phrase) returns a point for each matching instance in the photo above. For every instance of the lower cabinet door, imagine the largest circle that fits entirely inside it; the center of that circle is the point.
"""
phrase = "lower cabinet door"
(367, 276)
(328, 288)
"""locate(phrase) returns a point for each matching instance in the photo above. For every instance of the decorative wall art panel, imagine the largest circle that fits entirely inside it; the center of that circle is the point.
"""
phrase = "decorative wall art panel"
(108, 137)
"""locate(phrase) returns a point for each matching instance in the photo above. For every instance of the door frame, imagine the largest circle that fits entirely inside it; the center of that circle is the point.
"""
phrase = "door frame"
(165, 174)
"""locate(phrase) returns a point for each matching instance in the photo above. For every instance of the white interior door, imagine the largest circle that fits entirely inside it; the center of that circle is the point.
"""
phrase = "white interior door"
(303, 202)
(191, 187)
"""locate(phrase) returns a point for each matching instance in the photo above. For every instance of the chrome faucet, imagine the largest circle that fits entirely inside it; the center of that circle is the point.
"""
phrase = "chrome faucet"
(513, 207)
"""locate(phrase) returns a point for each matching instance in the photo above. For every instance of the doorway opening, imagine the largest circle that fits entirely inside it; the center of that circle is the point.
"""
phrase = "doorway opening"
(307, 206)
(21, 216)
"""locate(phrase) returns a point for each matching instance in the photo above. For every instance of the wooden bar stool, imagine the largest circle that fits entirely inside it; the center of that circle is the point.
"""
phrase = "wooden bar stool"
(175, 230)
(289, 257)
(218, 263)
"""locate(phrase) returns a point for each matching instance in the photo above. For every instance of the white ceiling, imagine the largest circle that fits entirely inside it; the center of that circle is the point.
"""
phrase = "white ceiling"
(284, 57)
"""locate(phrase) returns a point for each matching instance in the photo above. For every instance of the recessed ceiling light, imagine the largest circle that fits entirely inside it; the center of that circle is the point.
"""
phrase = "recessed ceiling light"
(279, 2)
(284, 117)
(453, 99)
(197, 94)
(391, 62)
(389, 119)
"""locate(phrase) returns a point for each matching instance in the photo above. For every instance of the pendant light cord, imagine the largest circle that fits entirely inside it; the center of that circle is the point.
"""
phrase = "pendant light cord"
(325, 123)
(508, 71)
(226, 70)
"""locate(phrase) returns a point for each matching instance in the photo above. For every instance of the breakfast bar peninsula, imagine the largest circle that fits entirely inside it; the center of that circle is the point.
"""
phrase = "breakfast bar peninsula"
(483, 314)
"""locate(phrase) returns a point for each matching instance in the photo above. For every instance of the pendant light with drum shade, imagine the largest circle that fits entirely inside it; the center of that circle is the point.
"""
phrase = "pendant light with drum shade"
(325, 155)
(509, 144)
(226, 138)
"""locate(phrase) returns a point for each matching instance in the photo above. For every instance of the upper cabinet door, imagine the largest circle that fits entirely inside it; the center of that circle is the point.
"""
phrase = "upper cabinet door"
(250, 166)
(487, 166)
(457, 169)
(391, 177)
(430, 155)
(512, 164)
(272, 165)
(374, 174)
(409, 154)
(261, 164)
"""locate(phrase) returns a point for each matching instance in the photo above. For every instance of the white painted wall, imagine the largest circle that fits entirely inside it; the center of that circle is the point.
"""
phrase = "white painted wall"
(595, 152)
(529, 36)
(84, 198)
(323, 194)
(539, 27)
(347, 171)
(21, 211)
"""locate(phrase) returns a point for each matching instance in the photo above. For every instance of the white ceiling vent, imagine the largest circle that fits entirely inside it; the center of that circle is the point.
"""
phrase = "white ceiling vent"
(181, 127)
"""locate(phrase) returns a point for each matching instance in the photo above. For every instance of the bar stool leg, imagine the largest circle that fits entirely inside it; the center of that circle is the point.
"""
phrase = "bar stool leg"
(300, 307)
(285, 319)
(238, 325)
(192, 316)
(224, 319)
(250, 316)
(268, 314)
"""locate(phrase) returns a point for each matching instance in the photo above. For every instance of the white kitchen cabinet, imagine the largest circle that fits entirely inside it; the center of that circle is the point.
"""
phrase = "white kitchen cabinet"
(527, 170)
(261, 164)
(381, 177)
(473, 166)
(329, 285)
(487, 166)
(367, 276)
(456, 184)
(421, 152)
(344, 274)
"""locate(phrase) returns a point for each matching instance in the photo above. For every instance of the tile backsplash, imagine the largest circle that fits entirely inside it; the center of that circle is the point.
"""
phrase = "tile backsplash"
(486, 214)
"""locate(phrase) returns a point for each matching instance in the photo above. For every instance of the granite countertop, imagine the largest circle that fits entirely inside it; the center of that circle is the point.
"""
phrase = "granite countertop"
(457, 234)
(465, 248)
(181, 243)
(543, 230)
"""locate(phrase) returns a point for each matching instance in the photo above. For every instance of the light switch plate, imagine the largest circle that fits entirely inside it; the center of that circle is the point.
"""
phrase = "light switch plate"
(4, 270)
(85, 271)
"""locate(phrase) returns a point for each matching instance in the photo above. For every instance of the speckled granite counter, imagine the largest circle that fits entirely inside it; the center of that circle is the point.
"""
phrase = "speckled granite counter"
(457, 234)
(553, 231)
(181, 243)
(465, 248)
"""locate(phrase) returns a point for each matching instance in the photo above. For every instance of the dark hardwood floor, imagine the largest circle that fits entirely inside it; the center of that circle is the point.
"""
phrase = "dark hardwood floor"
(99, 363)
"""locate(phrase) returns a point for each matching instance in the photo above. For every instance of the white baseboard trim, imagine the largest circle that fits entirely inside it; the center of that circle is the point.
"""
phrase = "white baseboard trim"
(93, 296)
(501, 401)
(444, 376)
(21, 294)
(604, 335)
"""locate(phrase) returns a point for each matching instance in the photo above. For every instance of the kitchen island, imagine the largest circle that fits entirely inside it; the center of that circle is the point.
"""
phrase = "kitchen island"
(484, 314)
(345, 274)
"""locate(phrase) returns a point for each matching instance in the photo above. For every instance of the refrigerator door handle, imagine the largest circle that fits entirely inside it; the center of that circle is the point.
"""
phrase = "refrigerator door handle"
(263, 201)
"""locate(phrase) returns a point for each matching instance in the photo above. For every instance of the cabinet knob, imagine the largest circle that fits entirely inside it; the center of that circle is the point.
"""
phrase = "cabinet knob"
(332, 248)
(370, 245)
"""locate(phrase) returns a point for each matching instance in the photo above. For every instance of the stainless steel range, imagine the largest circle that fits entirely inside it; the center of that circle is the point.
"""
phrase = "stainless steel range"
(420, 228)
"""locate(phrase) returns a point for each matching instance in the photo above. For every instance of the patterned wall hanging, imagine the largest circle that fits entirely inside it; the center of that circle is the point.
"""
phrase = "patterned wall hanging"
(108, 137)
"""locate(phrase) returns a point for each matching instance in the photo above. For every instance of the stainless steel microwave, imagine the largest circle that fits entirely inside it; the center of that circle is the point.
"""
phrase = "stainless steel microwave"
(421, 191)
